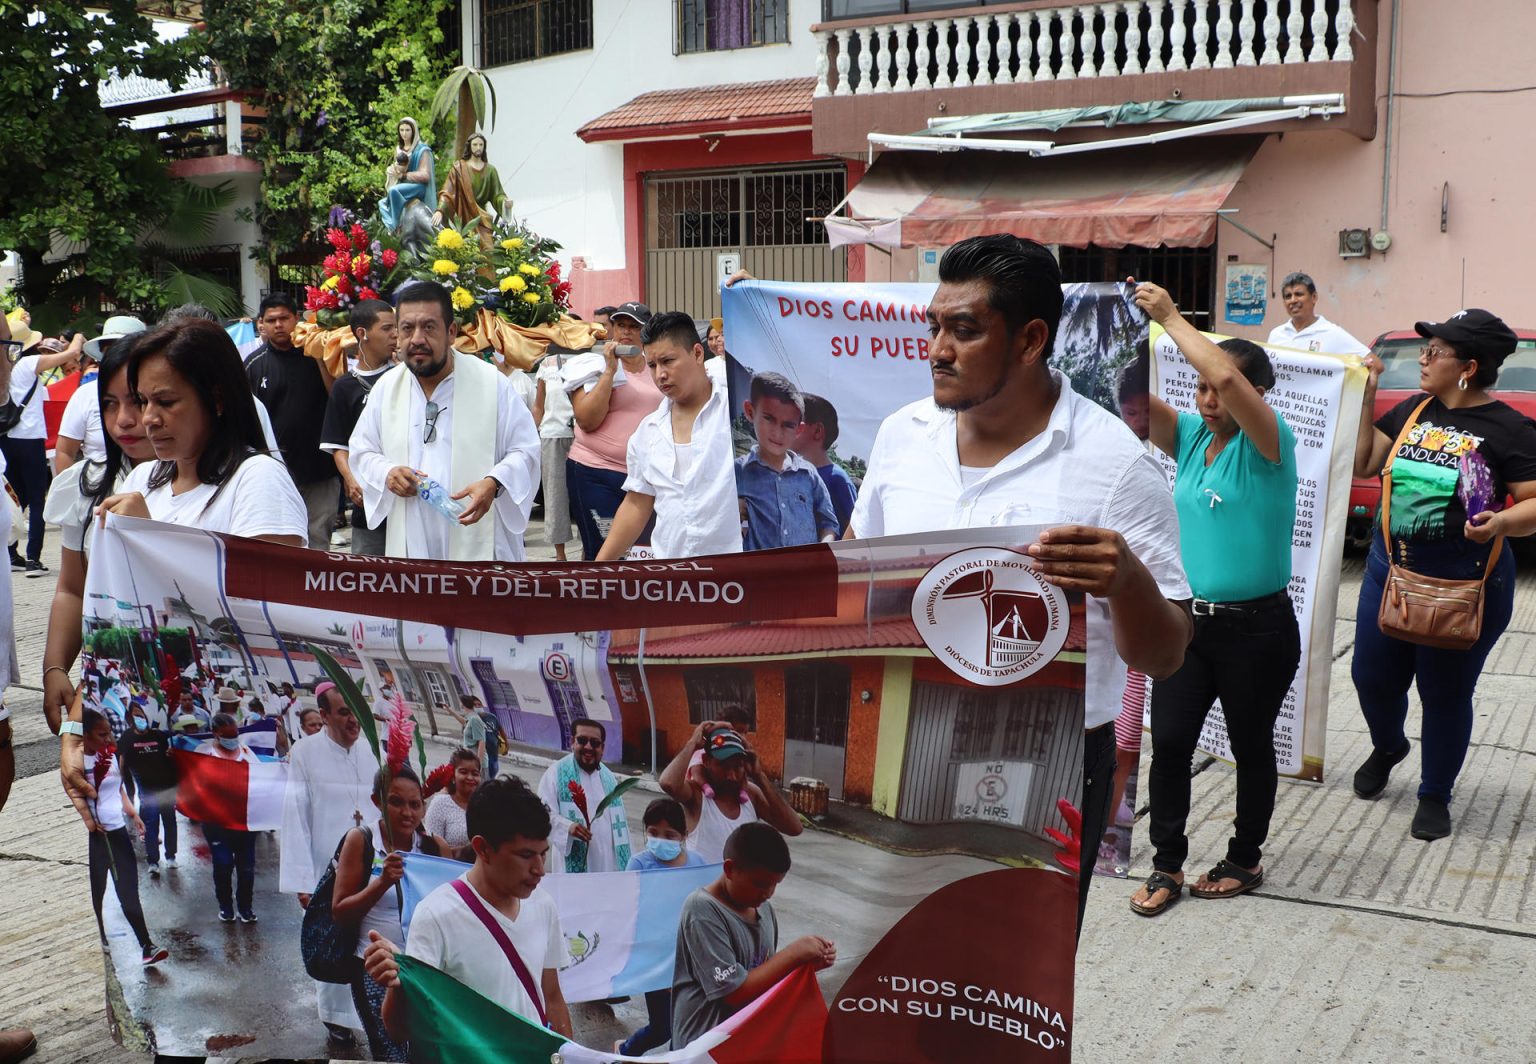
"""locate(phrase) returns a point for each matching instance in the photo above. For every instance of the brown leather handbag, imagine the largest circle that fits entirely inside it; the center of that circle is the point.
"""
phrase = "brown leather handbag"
(1428, 610)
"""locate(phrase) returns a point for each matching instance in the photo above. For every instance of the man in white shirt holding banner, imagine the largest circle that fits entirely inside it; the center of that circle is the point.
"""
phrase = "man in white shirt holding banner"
(454, 419)
(1004, 440)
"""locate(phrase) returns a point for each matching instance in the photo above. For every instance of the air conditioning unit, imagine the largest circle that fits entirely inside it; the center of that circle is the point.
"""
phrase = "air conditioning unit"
(1354, 243)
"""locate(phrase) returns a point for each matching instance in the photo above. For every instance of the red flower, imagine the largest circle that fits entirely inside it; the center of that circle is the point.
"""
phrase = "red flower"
(328, 301)
(360, 267)
(359, 237)
(337, 239)
(103, 765)
(554, 270)
(367, 293)
(438, 779)
(389, 257)
(311, 298)
(344, 285)
(329, 262)
(579, 796)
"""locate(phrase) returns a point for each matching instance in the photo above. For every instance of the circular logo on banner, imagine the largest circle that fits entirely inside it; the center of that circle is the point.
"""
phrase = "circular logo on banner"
(987, 616)
(557, 667)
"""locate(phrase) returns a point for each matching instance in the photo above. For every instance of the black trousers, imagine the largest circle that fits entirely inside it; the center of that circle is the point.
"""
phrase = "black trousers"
(110, 856)
(1247, 661)
(26, 467)
(1098, 789)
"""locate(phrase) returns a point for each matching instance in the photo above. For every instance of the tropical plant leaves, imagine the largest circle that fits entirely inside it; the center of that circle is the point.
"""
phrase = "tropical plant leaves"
(614, 795)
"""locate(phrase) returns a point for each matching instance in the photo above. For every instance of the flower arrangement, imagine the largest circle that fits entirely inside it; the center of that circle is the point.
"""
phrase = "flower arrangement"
(362, 264)
(529, 289)
(456, 262)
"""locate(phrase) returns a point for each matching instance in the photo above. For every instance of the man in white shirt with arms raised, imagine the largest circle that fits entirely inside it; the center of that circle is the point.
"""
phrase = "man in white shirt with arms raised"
(1307, 330)
(1005, 441)
(455, 419)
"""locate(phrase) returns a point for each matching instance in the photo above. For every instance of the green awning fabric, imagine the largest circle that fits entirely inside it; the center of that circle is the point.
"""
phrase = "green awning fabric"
(1125, 114)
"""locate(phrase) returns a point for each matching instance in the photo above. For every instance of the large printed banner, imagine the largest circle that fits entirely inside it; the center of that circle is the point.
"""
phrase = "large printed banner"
(1319, 397)
(932, 684)
(859, 352)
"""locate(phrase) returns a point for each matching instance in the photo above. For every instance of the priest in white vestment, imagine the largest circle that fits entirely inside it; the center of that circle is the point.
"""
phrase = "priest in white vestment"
(460, 422)
(573, 845)
(330, 781)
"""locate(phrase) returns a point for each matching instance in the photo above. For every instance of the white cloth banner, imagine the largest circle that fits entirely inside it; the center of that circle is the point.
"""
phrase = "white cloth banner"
(1319, 396)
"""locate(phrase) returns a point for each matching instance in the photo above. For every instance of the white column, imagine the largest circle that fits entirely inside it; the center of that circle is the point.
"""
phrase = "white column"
(1155, 36)
(823, 42)
(903, 57)
(1202, 39)
(963, 51)
(1294, 24)
(1271, 55)
(1344, 51)
(1318, 53)
(1223, 35)
(943, 53)
(1006, 50)
(867, 69)
(232, 124)
(1111, 38)
(1067, 44)
(1047, 47)
(1177, 36)
(1132, 37)
(1090, 41)
(843, 88)
(1246, 26)
(924, 55)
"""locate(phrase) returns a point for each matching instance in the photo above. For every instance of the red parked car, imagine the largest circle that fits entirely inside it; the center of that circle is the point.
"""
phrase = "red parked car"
(1399, 352)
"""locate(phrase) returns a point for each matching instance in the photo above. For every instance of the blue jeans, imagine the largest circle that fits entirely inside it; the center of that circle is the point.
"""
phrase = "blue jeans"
(1384, 667)
(658, 1032)
(595, 498)
(158, 808)
(234, 857)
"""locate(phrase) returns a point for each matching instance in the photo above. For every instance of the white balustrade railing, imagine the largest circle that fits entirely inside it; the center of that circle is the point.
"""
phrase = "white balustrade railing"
(1068, 41)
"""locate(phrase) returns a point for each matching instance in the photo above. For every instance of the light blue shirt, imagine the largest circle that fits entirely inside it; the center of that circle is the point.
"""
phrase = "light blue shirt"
(784, 509)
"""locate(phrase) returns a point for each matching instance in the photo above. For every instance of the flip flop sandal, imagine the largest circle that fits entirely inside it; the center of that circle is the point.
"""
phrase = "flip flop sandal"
(1225, 869)
(1155, 882)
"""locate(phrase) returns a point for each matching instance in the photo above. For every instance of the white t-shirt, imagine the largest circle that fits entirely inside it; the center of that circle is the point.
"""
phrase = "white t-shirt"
(23, 377)
(1085, 468)
(68, 507)
(447, 935)
(694, 487)
(558, 415)
(1322, 336)
(259, 500)
(109, 793)
(82, 421)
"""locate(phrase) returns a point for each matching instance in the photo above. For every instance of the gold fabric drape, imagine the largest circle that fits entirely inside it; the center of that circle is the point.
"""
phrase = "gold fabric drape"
(521, 347)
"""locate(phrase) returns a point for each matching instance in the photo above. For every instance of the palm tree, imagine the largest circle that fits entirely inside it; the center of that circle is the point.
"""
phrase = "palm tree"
(1101, 329)
(464, 91)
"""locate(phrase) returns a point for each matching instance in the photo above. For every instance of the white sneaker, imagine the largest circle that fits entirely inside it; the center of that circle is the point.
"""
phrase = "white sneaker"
(170, 862)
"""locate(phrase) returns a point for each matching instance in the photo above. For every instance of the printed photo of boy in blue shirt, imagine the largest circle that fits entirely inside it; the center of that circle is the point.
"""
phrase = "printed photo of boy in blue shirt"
(783, 499)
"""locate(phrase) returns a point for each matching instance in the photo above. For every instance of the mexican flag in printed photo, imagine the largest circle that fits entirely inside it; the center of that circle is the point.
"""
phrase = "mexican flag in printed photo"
(452, 1024)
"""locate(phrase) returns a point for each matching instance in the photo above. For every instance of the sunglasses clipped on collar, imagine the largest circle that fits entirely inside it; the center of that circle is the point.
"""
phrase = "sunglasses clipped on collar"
(429, 435)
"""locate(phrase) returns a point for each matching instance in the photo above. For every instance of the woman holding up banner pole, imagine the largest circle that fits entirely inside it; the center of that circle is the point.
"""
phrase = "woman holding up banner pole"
(1235, 491)
(1458, 454)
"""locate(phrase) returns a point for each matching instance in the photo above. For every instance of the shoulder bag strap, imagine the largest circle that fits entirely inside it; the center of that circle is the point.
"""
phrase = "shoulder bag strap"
(477, 907)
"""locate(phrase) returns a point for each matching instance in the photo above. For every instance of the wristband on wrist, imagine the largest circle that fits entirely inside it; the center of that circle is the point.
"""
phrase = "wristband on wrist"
(72, 727)
(51, 668)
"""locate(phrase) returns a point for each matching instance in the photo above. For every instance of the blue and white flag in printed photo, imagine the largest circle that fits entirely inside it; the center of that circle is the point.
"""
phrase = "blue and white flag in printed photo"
(620, 927)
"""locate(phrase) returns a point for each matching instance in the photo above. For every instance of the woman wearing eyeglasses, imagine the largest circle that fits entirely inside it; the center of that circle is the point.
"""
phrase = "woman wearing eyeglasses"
(1235, 490)
(1452, 426)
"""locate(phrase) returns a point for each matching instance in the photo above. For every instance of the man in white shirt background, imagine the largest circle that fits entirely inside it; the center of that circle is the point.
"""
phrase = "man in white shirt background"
(1307, 330)
(1004, 440)
(24, 444)
(80, 437)
(459, 422)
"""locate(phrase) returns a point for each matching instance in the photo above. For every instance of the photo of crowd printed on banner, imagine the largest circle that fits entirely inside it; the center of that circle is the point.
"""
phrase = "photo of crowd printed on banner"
(857, 353)
(1319, 397)
(933, 684)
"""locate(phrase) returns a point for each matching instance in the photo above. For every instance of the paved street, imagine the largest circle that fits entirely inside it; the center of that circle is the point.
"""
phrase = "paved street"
(1363, 946)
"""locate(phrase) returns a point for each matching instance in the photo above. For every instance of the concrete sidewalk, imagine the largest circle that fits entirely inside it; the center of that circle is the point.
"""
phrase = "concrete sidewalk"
(1363, 945)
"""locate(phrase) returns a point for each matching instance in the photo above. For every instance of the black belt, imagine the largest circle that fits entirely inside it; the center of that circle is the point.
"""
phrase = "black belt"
(1245, 607)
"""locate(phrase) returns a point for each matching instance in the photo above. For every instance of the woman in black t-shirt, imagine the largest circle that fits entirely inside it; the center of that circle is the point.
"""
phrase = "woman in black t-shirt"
(1433, 534)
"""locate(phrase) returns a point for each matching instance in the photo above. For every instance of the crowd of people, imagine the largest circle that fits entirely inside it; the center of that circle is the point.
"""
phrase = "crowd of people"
(440, 454)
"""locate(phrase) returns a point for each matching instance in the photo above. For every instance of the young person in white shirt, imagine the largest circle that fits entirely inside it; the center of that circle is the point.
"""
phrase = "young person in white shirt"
(1306, 329)
(1004, 440)
(451, 927)
(24, 445)
(679, 457)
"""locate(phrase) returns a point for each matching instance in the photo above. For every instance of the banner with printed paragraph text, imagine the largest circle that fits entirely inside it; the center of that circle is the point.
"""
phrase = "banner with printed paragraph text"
(1319, 397)
(917, 700)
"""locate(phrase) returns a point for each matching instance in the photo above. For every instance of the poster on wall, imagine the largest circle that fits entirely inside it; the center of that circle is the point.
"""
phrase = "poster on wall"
(934, 681)
(1247, 294)
(859, 352)
(1319, 397)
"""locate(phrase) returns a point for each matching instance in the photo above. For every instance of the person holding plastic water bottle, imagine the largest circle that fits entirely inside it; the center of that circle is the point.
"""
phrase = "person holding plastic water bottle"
(444, 445)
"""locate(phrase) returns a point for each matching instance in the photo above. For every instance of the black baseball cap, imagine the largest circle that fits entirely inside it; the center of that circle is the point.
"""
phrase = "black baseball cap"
(638, 311)
(605, 310)
(1473, 333)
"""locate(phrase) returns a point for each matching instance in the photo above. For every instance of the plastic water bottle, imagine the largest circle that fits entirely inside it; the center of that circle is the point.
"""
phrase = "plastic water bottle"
(436, 496)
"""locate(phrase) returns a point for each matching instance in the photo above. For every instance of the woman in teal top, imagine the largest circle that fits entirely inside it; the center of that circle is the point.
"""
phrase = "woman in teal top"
(1235, 490)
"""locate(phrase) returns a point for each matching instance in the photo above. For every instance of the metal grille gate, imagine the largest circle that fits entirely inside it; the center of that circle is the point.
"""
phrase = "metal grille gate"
(760, 215)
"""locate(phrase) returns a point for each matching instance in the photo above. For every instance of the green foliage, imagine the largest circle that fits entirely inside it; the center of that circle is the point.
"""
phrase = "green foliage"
(335, 77)
(75, 175)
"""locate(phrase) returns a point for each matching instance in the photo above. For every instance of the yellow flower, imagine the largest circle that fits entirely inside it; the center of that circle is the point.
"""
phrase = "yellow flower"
(514, 283)
(530, 297)
(462, 300)
(450, 239)
(443, 267)
(330, 282)
(529, 269)
(512, 243)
